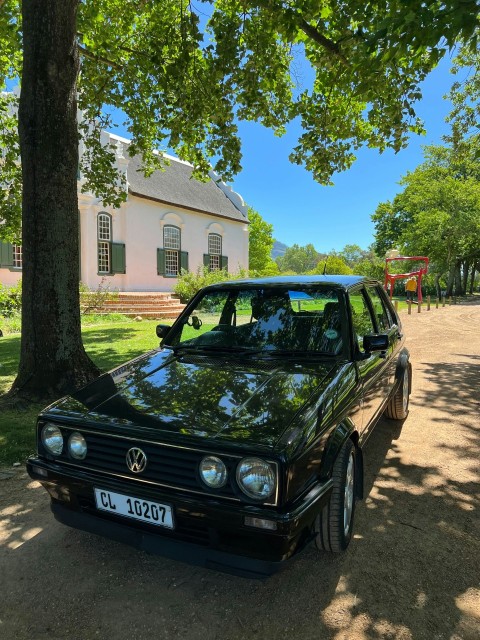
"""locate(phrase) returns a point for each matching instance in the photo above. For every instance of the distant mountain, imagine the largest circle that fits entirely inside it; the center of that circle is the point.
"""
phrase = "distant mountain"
(278, 249)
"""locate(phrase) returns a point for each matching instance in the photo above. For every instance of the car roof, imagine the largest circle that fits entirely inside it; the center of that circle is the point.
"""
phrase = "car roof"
(336, 281)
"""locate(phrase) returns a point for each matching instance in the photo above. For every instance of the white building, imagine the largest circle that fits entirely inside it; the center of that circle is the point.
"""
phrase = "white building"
(169, 222)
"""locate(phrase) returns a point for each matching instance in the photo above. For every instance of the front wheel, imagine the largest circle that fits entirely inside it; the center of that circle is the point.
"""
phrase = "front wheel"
(334, 524)
(397, 407)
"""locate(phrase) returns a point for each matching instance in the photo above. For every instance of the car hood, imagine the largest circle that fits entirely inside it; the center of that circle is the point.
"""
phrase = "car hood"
(223, 398)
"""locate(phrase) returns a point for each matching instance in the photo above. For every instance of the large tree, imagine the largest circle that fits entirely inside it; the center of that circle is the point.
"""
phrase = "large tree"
(184, 89)
(437, 214)
(299, 259)
(260, 244)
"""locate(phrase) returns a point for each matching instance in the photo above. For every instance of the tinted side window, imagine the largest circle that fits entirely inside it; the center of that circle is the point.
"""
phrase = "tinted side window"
(382, 318)
(361, 318)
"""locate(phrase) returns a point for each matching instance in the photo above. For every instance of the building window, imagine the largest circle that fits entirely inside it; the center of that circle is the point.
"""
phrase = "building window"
(171, 244)
(215, 251)
(17, 256)
(104, 236)
(213, 260)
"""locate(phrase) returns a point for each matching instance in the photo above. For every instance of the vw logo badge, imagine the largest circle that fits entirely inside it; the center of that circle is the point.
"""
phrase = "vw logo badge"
(136, 460)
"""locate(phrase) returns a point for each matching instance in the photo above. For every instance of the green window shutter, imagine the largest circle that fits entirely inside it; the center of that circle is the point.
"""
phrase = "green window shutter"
(224, 262)
(118, 258)
(6, 254)
(184, 260)
(161, 262)
(206, 260)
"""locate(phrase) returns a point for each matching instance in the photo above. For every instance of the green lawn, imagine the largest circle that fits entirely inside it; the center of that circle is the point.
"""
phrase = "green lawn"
(107, 344)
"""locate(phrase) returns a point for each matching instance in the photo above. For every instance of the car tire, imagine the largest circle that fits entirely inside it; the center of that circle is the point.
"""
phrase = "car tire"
(397, 406)
(334, 524)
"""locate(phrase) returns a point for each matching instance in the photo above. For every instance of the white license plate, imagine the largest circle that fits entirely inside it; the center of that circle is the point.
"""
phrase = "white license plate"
(136, 508)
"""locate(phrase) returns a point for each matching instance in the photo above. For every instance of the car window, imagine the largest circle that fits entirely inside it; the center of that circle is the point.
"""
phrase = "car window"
(381, 316)
(362, 321)
(265, 319)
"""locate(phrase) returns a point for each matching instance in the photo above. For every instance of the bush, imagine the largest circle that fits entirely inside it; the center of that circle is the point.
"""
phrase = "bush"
(94, 301)
(10, 299)
(189, 282)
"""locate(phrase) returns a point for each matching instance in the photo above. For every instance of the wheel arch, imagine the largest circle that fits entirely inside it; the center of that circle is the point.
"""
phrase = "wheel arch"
(344, 431)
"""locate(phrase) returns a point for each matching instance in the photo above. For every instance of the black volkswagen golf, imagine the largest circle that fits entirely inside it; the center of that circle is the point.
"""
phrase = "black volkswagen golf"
(239, 440)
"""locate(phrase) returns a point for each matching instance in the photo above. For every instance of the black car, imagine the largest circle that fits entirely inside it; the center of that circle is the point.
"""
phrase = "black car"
(239, 440)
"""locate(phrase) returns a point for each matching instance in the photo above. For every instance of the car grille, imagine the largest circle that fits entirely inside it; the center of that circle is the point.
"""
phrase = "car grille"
(167, 466)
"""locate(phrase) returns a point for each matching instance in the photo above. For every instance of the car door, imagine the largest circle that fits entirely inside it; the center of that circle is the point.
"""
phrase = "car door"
(385, 323)
(371, 367)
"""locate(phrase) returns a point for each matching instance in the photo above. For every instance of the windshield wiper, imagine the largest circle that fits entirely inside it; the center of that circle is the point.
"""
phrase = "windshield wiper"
(293, 353)
(190, 348)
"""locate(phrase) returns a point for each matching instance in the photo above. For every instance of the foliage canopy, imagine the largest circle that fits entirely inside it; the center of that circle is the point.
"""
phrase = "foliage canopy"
(184, 74)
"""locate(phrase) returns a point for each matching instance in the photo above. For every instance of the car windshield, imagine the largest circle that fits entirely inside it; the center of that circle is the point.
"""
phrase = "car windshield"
(264, 321)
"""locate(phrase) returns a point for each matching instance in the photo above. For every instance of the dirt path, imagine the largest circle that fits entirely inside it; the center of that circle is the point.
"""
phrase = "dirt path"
(412, 572)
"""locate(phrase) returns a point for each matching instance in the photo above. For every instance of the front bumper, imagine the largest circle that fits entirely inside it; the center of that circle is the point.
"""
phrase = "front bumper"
(208, 532)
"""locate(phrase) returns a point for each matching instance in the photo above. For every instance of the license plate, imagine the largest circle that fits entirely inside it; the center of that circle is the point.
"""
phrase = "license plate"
(136, 508)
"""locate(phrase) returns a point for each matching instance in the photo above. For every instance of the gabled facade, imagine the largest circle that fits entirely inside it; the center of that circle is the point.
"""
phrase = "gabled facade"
(169, 222)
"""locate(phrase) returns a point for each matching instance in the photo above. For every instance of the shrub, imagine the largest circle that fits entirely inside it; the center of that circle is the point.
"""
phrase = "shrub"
(10, 299)
(189, 282)
(92, 301)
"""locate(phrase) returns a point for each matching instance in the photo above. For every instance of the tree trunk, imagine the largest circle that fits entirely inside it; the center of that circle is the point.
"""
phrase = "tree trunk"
(52, 359)
(458, 279)
(466, 267)
(450, 280)
(437, 285)
(475, 266)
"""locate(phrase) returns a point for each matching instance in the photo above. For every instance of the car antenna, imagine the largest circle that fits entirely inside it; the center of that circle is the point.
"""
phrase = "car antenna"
(325, 267)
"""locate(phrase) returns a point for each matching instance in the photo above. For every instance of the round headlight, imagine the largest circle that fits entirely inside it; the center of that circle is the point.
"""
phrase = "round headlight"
(52, 439)
(256, 478)
(77, 446)
(213, 472)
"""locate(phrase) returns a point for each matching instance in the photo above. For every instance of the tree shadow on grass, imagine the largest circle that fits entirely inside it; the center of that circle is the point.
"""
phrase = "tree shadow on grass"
(9, 355)
(122, 346)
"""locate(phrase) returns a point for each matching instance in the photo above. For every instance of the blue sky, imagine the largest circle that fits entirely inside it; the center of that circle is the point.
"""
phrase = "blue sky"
(302, 211)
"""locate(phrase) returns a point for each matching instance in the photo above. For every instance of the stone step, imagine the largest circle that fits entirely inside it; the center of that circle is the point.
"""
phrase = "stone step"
(169, 311)
(136, 305)
(145, 304)
(148, 315)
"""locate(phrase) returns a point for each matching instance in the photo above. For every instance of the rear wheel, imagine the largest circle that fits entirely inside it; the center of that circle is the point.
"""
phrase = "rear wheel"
(335, 522)
(397, 407)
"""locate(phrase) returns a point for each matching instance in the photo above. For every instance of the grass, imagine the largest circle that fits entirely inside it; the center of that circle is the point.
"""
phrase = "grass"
(109, 344)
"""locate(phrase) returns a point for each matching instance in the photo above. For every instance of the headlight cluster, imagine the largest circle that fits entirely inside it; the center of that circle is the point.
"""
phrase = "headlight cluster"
(255, 477)
(52, 440)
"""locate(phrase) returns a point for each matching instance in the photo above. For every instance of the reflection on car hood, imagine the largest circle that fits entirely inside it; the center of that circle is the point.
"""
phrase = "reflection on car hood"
(240, 400)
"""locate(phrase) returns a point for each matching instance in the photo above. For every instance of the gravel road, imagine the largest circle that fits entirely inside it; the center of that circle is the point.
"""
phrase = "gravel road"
(411, 573)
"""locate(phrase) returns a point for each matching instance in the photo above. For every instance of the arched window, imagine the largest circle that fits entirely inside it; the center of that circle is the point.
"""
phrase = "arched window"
(213, 260)
(215, 251)
(172, 245)
(104, 239)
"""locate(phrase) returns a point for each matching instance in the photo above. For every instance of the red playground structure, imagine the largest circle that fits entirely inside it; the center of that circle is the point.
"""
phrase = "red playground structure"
(419, 273)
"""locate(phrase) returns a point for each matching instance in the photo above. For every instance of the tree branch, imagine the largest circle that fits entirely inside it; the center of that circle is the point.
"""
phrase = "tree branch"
(87, 54)
(329, 45)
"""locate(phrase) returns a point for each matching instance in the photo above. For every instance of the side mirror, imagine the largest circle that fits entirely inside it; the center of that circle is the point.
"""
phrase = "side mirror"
(162, 330)
(195, 322)
(375, 342)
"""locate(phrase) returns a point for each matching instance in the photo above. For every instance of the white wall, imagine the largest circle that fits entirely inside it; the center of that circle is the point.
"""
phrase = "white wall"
(10, 278)
(139, 225)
